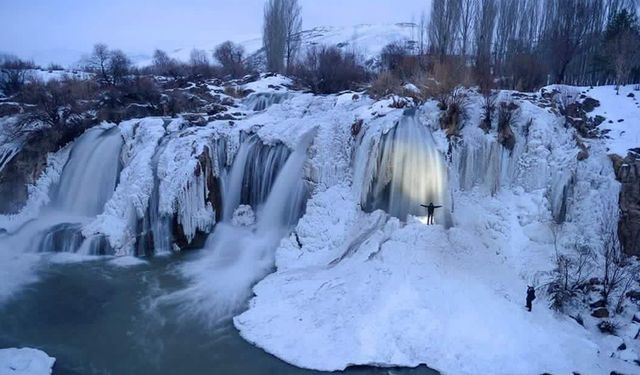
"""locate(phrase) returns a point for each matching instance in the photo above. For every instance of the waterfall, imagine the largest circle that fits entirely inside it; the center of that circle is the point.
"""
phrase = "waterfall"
(86, 183)
(484, 163)
(237, 256)
(90, 176)
(253, 174)
(405, 170)
(261, 101)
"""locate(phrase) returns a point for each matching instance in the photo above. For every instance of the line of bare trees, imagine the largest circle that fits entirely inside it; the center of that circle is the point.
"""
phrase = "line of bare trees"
(527, 43)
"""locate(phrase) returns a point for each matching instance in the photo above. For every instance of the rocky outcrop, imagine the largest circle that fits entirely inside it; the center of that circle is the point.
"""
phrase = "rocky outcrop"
(628, 174)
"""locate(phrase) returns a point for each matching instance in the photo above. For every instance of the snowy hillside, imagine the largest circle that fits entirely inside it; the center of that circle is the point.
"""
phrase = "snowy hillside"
(366, 40)
(622, 116)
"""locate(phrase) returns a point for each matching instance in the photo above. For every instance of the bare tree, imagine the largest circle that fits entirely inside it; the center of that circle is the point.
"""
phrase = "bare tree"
(231, 57)
(163, 64)
(484, 30)
(199, 63)
(119, 66)
(281, 33)
(198, 57)
(443, 25)
(99, 62)
(622, 45)
(567, 26)
(293, 19)
(422, 33)
(467, 17)
(506, 30)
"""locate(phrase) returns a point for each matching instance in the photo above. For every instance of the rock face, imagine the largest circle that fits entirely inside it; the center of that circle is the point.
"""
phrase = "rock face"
(628, 174)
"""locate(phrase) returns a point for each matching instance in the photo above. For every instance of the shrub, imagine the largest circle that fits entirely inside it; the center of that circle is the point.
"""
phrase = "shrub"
(231, 58)
(234, 91)
(506, 113)
(456, 112)
(607, 326)
(488, 109)
(397, 59)
(54, 67)
(385, 84)
(14, 73)
(329, 70)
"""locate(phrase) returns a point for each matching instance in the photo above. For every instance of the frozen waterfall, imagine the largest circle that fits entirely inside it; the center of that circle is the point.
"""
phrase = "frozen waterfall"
(236, 255)
(404, 170)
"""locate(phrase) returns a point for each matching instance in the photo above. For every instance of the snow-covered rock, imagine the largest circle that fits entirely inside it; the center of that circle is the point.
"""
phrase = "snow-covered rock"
(25, 361)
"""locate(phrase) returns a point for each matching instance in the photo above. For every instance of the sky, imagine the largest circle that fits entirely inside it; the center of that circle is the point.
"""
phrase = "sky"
(62, 30)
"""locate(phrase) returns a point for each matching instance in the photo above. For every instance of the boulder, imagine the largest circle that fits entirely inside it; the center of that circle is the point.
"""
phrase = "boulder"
(633, 294)
(598, 304)
(589, 104)
(600, 313)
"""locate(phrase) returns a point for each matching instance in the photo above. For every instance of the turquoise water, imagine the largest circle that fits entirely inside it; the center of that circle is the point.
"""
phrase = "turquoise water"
(96, 318)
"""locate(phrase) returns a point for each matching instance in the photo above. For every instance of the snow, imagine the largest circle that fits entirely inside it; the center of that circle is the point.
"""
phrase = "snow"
(127, 261)
(25, 361)
(366, 289)
(622, 116)
(45, 75)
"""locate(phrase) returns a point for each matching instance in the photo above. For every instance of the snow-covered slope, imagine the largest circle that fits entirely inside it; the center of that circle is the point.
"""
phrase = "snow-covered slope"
(622, 116)
(364, 289)
(367, 40)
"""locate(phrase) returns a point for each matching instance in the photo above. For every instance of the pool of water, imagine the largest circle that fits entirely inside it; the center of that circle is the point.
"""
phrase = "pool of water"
(97, 318)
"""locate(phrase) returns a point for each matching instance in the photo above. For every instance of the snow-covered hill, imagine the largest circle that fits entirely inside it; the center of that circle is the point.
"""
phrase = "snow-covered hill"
(367, 40)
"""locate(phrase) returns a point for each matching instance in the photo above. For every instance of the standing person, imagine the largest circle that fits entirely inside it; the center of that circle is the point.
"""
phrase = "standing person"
(531, 295)
(430, 210)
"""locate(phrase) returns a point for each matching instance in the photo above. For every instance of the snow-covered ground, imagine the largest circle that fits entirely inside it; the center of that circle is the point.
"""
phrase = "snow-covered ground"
(622, 116)
(25, 361)
(366, 289)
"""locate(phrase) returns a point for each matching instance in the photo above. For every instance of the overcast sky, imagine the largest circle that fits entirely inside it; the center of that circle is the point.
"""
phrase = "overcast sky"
(55, 29)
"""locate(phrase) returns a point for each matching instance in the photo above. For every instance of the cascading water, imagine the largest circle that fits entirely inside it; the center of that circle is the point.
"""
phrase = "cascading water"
(91, 174)
(237, 256)
(87, 182)
(154, 228)
(405, 170)
(253, 174)
(262, 101)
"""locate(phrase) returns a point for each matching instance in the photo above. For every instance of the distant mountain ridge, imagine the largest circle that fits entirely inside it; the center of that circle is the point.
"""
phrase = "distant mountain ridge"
(366, 39)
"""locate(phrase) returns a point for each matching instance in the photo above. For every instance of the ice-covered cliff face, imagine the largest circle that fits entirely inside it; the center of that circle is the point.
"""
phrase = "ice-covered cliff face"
(327, 189)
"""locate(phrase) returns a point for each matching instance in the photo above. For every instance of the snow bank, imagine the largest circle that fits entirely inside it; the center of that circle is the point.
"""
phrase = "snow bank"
(622, 116)
(25, 361)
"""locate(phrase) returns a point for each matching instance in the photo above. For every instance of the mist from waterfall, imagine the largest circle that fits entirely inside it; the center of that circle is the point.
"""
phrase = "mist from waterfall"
(404, 170)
